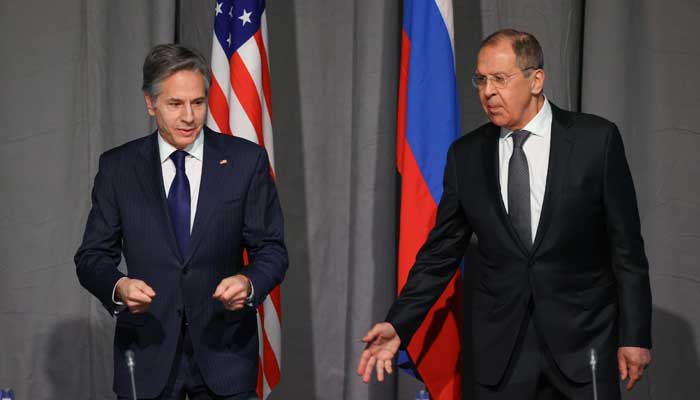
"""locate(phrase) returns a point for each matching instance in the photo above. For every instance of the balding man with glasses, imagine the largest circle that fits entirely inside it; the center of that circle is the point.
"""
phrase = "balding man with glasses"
(561, 267)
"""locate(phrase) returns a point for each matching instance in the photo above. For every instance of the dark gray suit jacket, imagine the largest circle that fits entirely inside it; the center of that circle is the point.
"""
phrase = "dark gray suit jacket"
(586, 274)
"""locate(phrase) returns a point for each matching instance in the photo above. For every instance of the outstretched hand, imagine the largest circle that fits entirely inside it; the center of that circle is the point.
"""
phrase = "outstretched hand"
(632, 361)
(382, 344)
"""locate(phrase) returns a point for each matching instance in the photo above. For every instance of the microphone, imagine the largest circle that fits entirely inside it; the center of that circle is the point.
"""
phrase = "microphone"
(593, 363)
(130, 363)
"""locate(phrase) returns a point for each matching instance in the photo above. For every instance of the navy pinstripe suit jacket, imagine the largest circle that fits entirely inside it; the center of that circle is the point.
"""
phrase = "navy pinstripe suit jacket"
(238, 209)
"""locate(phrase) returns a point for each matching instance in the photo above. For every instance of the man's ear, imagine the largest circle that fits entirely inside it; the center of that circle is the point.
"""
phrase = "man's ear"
(150, 104)
(537, 85)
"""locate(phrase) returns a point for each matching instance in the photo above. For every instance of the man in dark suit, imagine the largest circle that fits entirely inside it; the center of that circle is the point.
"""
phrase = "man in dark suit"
(182, 204)
(561, 269)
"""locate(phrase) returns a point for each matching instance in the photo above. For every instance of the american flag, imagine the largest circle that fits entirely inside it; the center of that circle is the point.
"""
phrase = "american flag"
(240, 105)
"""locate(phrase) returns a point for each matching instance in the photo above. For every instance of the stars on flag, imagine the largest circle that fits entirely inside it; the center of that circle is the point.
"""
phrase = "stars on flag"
(245, 17)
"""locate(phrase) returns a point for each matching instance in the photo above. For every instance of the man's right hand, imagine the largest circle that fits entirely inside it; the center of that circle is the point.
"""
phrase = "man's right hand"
(135, 294)
(382, 344)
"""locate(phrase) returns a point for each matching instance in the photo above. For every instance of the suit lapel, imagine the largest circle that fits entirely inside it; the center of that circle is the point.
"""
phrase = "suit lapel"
(492, 168)
(213, 173)
(559, 152)
(149, 171)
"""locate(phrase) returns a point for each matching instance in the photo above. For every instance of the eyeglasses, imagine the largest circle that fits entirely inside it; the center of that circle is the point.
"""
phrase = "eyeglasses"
(500, 81)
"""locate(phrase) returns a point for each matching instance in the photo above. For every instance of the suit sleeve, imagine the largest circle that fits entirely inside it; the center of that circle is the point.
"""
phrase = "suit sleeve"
(263, 232)
(436, 262)
(627, 247)
(99, 255)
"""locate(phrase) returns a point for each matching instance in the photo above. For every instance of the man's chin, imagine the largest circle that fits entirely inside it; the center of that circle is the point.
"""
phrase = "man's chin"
(497, 120)
(183, 142)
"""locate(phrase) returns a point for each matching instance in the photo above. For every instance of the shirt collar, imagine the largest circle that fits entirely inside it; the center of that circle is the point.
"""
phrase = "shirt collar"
(538, 126)
(195, 149)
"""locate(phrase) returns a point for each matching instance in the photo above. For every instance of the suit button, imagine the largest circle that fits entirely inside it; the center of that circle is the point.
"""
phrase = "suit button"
(185, 270)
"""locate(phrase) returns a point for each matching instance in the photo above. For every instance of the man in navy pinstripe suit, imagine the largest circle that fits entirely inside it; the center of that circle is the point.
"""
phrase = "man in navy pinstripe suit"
(181, 205)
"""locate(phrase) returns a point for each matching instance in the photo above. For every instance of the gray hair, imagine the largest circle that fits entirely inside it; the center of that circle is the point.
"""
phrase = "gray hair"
(166, 59)
(528, 52)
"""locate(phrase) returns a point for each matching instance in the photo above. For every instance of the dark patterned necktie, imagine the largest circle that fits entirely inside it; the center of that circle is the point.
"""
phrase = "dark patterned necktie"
(179, 202)
(519, 189)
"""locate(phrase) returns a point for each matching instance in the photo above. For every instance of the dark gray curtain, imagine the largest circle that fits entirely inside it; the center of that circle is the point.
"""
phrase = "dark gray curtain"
(70, 74)
(71, 78)
(640, 69)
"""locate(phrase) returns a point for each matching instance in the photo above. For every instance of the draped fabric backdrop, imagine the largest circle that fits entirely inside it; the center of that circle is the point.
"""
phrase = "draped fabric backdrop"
(71, 75)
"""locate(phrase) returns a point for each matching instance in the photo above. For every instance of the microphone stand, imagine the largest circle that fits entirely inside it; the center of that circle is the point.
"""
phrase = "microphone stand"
(593, 364)
(130, 363)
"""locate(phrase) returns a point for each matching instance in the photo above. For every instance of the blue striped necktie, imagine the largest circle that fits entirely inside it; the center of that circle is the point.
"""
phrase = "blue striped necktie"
(179, 202)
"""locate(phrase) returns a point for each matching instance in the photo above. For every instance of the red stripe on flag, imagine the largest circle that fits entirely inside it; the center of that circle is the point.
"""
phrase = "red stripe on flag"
(259, 384)
(265, 71)
(276, 300)
(247, 93)
(403, 95)
(270, 366)
(218, 106)
(432, 348)
(418, 212)
(435, 345)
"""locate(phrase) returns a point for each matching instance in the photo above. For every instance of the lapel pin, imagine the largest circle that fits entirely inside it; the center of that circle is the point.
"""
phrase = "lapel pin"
(223, 162)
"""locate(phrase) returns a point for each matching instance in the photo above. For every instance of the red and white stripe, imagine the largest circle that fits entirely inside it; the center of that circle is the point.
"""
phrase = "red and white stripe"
(240, 105)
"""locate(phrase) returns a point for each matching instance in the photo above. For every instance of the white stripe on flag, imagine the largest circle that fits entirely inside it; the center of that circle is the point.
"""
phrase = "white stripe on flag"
(267, 134)
(266, 389)
(267, 115)
(251, 59)
(220, 68)
(238, 119)
(445, 7)
(272, 326)
(211, 122)
(250, 54)
(261, 346)
(263, 29)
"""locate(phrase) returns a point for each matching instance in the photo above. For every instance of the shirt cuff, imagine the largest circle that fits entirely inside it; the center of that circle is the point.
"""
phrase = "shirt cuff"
(249, 299)
(118, 306)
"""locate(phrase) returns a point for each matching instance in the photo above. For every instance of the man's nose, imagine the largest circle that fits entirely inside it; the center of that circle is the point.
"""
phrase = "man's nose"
(187, 113)
(489, 88)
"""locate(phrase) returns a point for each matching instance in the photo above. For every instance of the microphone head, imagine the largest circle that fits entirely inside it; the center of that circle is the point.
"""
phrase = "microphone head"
(129, 355)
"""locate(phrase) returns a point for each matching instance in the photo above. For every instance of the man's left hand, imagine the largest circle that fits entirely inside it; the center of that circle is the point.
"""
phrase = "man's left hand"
(233, 292)
(631, 361)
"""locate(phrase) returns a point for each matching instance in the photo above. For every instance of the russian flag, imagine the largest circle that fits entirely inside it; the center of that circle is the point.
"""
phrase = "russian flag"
(428, 122)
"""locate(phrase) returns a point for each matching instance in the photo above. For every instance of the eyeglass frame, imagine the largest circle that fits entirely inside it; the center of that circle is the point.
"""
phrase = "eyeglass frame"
(502, 85)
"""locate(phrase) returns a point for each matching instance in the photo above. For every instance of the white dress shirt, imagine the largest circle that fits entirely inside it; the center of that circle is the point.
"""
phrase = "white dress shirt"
(536, 150)
(193, 169)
